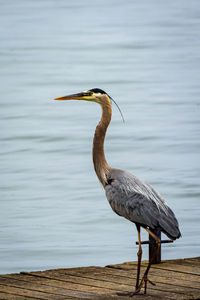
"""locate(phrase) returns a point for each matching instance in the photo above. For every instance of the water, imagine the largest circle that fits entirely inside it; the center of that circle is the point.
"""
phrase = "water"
(145, 54)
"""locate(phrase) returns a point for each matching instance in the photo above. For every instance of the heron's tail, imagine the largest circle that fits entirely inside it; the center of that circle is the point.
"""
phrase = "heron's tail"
(168, 224)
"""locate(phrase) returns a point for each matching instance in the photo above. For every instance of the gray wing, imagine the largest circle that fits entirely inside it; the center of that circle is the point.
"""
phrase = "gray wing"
(140, 203)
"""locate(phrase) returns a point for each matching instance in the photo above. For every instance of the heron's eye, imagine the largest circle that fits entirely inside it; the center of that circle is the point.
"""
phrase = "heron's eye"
(87, 94)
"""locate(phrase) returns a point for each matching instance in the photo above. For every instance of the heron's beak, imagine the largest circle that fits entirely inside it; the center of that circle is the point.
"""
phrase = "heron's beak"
(79, 96)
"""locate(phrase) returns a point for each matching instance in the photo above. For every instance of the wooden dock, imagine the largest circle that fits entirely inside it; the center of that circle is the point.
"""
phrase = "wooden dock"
(174, 279)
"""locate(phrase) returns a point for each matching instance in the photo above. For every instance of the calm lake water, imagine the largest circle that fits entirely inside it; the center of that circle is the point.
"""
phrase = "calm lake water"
(146, 55)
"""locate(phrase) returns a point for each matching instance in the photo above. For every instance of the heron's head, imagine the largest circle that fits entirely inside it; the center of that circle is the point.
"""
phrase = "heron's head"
(94, 95)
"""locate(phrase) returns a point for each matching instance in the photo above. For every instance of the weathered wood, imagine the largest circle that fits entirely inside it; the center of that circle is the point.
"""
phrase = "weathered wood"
(7, 296)
(175, 279)
(14, 290)
(112, 276)
(179, 268)
(165, 265)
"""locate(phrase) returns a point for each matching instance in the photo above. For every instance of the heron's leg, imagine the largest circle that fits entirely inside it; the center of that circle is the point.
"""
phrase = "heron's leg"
(139, 254)
(144, 278)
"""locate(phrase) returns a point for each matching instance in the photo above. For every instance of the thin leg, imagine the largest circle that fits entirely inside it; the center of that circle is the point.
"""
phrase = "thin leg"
(139, 254)
(153, 235)
(144, 278)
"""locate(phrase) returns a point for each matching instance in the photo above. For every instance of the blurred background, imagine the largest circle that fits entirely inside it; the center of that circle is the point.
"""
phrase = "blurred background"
(146, 55)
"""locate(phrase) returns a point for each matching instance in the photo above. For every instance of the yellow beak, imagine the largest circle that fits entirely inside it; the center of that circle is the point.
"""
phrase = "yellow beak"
(79, 96)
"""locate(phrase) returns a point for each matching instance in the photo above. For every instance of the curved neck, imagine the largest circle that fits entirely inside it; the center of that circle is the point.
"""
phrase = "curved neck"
(100, 164)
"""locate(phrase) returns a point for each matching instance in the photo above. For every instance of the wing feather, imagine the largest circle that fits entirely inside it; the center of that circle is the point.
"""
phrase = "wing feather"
(140, 203)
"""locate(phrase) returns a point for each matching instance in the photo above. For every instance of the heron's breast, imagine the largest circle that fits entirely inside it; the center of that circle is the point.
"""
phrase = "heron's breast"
(117, 198)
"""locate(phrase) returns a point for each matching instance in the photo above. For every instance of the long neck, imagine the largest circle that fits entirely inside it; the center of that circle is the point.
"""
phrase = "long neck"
(100, 164)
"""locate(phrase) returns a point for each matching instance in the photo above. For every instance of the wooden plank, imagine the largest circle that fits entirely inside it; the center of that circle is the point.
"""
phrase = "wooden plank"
(103, 274)
(40, 286)
(115, 277)
(6, 296)
(192, 262)
(61, 280)
(195, 260)
(180, 268)
(175, 279)
(187, 262)
(130, 279)
(125, 283)
(173, 267)
(12, 290)
(15, 290)
(45, 285)
(157, 271)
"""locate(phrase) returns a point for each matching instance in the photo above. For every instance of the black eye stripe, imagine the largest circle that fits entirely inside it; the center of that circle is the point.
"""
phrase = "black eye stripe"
(87, 94)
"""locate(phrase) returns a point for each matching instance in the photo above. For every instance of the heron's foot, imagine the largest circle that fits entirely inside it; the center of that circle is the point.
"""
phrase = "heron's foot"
(137, 291)
(144, 281)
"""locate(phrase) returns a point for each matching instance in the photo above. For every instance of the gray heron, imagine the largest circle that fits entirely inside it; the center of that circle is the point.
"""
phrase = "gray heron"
(127, 195)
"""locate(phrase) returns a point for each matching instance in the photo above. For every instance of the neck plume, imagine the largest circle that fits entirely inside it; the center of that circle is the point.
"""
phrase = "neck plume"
(100, 164)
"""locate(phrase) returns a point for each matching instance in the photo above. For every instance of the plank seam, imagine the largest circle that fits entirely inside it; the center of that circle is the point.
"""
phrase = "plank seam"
(112, 289)
(44, 292)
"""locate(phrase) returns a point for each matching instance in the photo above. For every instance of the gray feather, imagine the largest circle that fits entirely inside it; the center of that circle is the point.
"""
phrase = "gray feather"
(140, 203)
